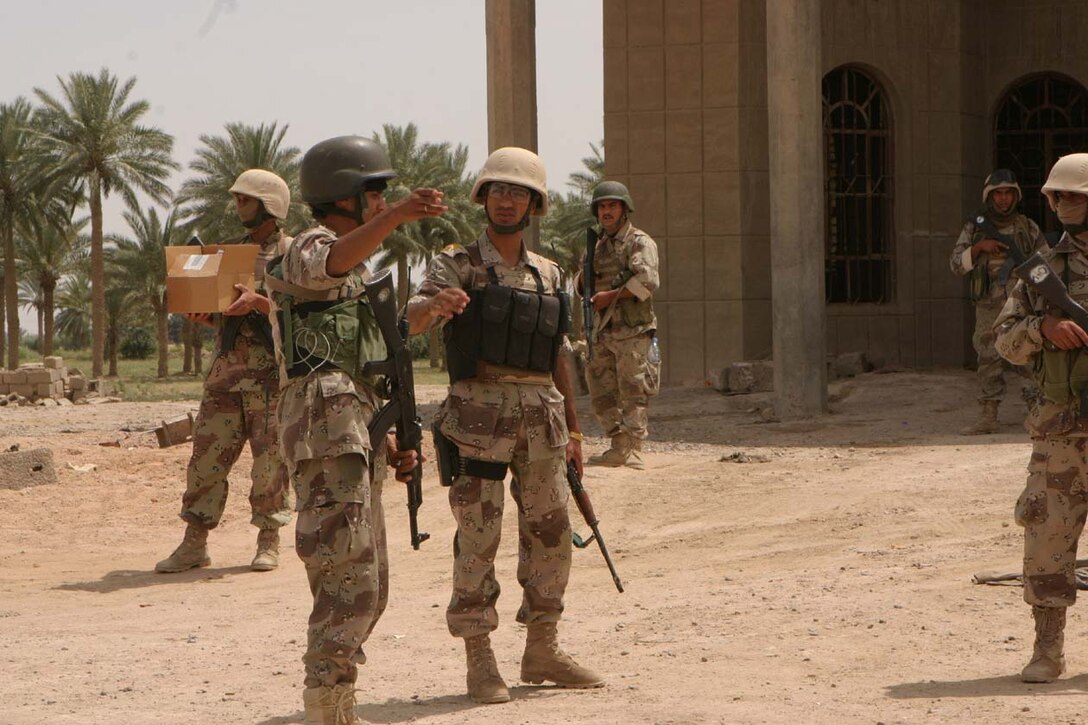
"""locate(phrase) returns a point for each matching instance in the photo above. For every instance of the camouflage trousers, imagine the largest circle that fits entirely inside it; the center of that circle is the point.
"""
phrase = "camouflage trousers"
(621, 381)
(991, 366)
(225, 422)
(343, 548)
(539, 489)
(1052, 510)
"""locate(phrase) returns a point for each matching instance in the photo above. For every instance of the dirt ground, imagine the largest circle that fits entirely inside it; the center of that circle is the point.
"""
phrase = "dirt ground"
(829, 582)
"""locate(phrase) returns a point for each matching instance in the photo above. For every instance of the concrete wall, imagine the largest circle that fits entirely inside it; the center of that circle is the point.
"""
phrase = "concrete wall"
(685, 126)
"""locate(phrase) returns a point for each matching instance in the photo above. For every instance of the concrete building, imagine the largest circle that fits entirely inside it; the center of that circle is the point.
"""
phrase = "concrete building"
(921, 99)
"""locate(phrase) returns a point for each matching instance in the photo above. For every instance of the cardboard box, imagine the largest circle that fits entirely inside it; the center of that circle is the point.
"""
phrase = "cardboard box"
(202, 279)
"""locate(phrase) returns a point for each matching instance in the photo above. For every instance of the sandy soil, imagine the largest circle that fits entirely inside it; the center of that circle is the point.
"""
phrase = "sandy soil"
(828, 583)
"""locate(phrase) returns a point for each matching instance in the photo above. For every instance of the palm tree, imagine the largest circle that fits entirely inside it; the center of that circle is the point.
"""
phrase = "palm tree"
(48, 249)
(74, 305)
(584, 181)
(30, 298)
(141, 266)
(93, 134)
(19, 180)
(205, 200)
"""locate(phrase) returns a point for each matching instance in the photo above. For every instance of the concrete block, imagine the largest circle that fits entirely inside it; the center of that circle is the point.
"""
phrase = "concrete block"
(175, 431)
(614, 14)
(646, 79)
(647, 139)
(685, 275)
(721, 139)
(645, 22)
(850, 364)
(683, 22)
(720, 76)
(43, 390)
(721, 204)
(616, 152)
(15, 377)
(720, 21)
(723, 273)
(649, 195)
(54, 362)
(685, 204)
(751, 377)
(40, 375)
(684, 76)
(22, 469)
(77, 382)
(683, 141)
(58, 388)
(615, 89)
(24, 389)
(719, 379)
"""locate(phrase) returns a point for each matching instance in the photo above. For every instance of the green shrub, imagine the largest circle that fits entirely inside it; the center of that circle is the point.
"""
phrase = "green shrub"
(137, 344)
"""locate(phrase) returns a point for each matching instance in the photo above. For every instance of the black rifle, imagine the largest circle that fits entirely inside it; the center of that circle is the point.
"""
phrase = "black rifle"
(584, 505)
(588, 285)
(401, 408)
(1015, 256)
(1037, 274)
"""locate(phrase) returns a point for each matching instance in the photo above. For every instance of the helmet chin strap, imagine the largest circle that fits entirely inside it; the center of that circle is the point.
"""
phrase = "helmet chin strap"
(356, 214)
(510, 228)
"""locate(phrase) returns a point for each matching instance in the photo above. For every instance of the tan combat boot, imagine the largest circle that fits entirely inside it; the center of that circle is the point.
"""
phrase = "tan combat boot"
(268, 550)
(615, 456)
(190, 554)
(485, 684)
(1048, 660)
(543, 660)
(987, 420)
(330, 705)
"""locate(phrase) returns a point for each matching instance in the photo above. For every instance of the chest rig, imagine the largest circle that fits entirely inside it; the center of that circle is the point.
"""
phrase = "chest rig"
(1062, 375)
(611, 271)
(501, 325)
(325, 330)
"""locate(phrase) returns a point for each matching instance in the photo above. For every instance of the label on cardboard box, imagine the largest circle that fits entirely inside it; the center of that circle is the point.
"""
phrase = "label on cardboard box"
(195, 262)
(202, 279)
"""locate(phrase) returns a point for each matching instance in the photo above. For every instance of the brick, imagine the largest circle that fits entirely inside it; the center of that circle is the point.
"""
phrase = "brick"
(40, 375)
(751, 377)
(53, 361)
(43, 390)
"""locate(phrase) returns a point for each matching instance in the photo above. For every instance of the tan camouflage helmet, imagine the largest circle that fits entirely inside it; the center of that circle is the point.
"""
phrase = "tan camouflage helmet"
(1001, 179)
(270, 189)
(1069, 173)
(514, 165)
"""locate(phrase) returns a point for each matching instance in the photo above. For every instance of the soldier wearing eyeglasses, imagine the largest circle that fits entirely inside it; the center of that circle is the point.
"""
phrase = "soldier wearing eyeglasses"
(510, 408)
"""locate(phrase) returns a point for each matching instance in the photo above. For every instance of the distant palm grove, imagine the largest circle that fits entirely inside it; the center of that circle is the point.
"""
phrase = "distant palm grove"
(67, 150)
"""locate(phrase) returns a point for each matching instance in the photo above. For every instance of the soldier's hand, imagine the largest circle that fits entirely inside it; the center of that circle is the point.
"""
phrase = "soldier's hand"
(247, 301)
(420, 204)
(200, 318)
(447, 303)
(990, 246)
(602, 300)
(403, 462)
(1065, 334)
(574, 453)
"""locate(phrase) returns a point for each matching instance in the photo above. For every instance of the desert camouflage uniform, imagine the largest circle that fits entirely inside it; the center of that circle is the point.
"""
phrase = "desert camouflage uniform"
(1053, 505)
(992, 293)
(620, 376)
(340, 534)
(239, 404)
(513, 416)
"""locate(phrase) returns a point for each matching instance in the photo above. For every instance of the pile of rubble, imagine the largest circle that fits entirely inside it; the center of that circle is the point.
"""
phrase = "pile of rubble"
(48, 383)
(757, 376)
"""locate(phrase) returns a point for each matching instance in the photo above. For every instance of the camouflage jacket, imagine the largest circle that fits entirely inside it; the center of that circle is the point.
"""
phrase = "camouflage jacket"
(483, 417)
(249, 366)
(305, 434)
(1020, 339)
(627, 260)
(993, 291)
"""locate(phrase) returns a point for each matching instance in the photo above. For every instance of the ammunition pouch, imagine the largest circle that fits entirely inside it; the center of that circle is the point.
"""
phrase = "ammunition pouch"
(451, 464)
(506, 326)
(1062, 377)
(331, 335)
(979, 279)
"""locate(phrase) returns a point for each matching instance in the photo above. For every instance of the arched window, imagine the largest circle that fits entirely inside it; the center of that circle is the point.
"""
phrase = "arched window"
(859, 231)
(1041, 118)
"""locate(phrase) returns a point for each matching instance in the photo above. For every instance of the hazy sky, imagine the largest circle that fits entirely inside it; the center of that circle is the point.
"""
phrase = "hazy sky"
(325, 67)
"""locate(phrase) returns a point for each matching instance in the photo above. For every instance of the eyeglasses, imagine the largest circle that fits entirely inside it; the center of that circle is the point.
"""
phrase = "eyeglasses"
(517, 193)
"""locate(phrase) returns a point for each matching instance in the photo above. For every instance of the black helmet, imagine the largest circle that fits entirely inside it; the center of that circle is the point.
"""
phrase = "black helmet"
(611, 190)
(340, 168)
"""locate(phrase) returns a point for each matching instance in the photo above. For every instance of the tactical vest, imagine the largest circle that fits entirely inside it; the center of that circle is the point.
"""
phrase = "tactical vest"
(326, 330)
(501, 325)
(611, 272)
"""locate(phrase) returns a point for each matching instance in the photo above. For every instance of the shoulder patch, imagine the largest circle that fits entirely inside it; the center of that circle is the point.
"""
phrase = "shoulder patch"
(452, 250)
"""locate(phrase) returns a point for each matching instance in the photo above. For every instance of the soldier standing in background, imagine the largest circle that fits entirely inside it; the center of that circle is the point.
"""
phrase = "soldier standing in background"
(326, 404)
(510, 406)
(1032, 331)
(624, 370)
(240, 396)
(982, 253)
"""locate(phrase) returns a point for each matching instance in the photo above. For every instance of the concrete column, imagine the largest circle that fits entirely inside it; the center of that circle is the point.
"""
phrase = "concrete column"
(511, 80)
(795, 131)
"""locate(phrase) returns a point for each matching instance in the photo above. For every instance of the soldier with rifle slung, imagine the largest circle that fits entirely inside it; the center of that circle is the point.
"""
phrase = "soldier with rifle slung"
(993, 241)
(510, 408)
(325, 336)
(240, 397)
(1043, 326)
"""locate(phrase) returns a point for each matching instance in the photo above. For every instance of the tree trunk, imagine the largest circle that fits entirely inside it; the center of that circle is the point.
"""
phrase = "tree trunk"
(46, 340)
(11, 293)
(187, 347)
(98, 279)
(402, 282)
(40, 310)
(198, 349)
(434, 348)
(3, 327)
(112, 339)
(164, 351)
